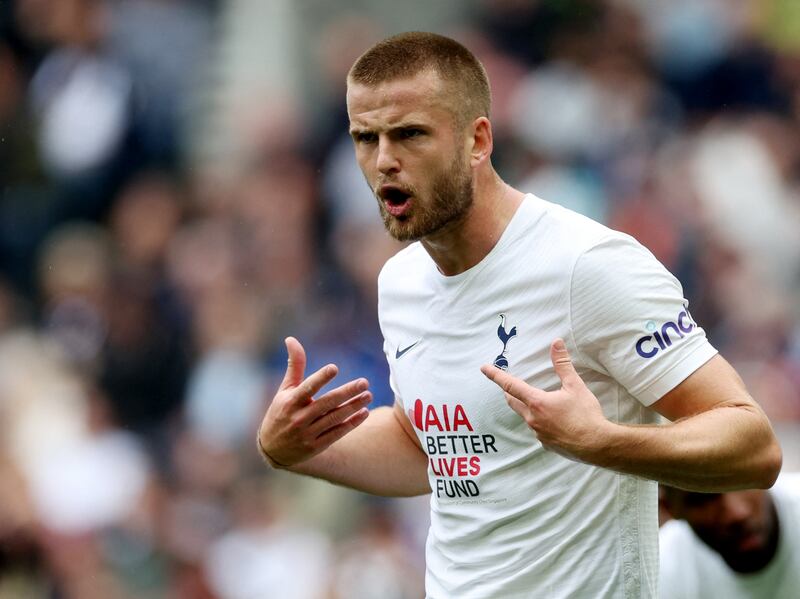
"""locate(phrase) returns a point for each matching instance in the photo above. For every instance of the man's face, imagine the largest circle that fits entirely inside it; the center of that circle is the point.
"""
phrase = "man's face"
(741, 526)
(412, 154)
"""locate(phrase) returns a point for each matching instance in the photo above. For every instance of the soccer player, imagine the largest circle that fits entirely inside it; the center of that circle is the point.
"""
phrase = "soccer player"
(737, 545)
(530, 350)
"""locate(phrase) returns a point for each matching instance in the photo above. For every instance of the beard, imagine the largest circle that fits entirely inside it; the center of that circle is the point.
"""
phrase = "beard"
(451, 198)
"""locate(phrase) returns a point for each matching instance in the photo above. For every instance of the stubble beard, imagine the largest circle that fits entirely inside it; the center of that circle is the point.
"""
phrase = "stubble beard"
(451, 198)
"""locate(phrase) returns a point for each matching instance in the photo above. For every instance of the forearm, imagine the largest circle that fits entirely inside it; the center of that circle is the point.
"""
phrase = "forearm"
(378, 457)
(723, 449)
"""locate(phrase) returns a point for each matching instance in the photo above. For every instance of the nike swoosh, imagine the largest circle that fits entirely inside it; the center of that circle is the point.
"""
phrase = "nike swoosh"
(400, 352)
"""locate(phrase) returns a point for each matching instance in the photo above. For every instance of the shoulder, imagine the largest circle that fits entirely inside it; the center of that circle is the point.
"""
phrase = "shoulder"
(404, 263)
(591, 248)
(677, 550)
(609, 261)
(575, 231)
(788, 485)
(549, 241)
(677, 542)
(607, 269)
(676, 534)
(405, 276)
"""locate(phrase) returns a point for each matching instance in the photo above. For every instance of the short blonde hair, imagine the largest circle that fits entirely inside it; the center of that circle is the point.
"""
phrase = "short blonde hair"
(408, 54)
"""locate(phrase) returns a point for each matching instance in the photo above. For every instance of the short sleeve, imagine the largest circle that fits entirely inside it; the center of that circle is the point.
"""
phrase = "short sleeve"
(630, 320)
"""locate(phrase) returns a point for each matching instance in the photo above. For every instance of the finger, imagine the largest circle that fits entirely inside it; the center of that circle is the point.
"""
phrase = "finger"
(508, 383)
(563, 363)
(306, 390)
(337, 432)
(519, 406)
(337, 396)
(296, 365)
(340, 414)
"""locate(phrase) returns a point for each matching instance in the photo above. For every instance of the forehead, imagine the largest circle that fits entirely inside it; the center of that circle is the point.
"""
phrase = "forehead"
(421, 97)
(721, 502)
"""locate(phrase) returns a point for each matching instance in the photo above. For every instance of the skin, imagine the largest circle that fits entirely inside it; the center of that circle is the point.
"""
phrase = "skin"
(742, 526)
(406, 137)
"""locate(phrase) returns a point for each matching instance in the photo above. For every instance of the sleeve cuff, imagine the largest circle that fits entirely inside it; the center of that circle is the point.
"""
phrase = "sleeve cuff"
(675, 375)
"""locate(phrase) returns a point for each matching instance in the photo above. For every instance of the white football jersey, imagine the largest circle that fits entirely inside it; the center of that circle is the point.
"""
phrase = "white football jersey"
(510, 519)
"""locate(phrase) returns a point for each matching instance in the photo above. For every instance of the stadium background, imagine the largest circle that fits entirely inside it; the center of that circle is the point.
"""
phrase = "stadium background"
(178, 193)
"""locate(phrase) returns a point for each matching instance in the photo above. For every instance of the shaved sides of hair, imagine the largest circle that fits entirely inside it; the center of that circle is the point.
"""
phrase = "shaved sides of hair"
(404, 55)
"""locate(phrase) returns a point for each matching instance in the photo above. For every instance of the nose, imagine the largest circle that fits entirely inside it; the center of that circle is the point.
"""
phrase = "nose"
(734, 509)
(387, 162)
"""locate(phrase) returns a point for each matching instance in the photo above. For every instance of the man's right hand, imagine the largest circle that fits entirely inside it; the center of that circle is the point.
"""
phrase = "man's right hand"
(297, 426)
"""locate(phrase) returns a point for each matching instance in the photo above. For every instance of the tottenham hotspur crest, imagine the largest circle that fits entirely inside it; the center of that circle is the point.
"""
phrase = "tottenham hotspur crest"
(501, 361)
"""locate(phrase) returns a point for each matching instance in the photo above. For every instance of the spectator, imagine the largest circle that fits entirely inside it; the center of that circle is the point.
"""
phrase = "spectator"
(738, 545)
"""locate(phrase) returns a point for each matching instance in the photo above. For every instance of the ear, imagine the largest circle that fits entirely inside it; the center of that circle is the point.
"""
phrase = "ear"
(481, 141)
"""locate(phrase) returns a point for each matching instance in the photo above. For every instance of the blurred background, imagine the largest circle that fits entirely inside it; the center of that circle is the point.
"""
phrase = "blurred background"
(178, 193)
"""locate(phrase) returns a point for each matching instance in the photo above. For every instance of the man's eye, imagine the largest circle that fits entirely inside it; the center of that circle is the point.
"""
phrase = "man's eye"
(700, 499)
(408, 133)
(365, 138)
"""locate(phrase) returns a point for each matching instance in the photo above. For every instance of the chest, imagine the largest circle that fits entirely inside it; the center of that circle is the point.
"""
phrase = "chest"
(437, 344)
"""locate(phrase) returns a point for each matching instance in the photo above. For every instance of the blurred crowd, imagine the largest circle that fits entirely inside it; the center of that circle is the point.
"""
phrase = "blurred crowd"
(175, 200)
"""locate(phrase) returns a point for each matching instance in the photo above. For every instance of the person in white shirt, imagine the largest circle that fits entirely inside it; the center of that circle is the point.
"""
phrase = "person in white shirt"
(530, 350)
(737, 545)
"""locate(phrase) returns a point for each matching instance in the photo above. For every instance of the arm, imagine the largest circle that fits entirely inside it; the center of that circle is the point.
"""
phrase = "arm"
(335, 437)
(719, 440)
(379, 457)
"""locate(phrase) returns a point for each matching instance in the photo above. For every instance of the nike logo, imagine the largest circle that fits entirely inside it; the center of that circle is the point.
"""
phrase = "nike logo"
(400, 352)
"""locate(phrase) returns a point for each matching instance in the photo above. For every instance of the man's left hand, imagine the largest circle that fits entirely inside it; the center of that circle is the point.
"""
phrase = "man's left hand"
(568, 421)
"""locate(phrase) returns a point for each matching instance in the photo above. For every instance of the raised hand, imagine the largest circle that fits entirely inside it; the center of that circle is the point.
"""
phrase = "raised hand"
(568, 421)
(297, 426)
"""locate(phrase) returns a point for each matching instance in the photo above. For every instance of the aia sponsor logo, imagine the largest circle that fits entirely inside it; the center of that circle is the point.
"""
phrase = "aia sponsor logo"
(444, 419)
(454, 448)
(662, 338)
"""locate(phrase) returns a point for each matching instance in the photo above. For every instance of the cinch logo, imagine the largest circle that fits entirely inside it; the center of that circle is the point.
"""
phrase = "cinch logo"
(649, 345)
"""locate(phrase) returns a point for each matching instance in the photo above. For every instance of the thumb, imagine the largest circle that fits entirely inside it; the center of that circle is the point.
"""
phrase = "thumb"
(562, 363)
(296, 366)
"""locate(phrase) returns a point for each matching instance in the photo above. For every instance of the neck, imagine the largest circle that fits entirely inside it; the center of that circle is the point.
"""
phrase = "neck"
(467, 242)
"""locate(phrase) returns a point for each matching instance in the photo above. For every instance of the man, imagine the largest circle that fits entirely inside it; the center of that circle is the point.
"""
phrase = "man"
(737, 545)
(530, 352)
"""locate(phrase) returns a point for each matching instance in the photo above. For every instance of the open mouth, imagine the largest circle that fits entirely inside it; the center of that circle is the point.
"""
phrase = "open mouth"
(750, 542)
(394, 196)
(396, 200)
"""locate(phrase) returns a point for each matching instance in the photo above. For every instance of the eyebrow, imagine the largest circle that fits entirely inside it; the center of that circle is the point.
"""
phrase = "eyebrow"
(404, 125)
(356, 130)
